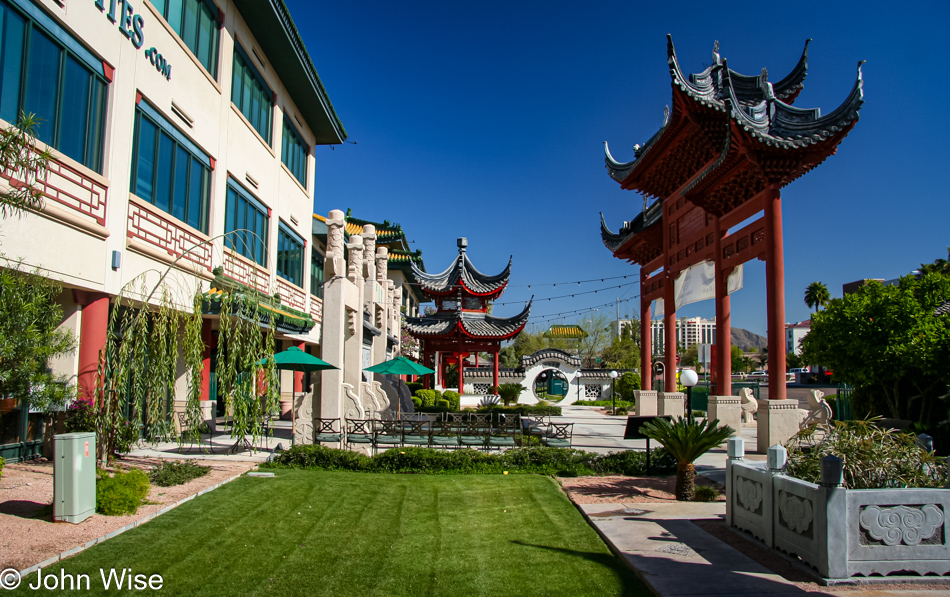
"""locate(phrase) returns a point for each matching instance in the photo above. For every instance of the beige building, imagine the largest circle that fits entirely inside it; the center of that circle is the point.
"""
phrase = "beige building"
(172, 123)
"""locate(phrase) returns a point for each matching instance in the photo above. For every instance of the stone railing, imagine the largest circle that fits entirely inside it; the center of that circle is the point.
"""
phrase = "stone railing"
(291, 295)
(842, 532)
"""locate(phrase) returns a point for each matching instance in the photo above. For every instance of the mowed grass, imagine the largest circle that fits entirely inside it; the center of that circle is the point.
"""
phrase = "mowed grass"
(312, 533)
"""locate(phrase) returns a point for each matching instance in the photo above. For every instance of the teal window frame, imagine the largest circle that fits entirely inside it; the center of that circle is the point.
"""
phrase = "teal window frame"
(294, 152)
(251, 94)
(47, 72)
(316, 273)
(290, 255)
(245, 212)
(197, 23)
(169, 170)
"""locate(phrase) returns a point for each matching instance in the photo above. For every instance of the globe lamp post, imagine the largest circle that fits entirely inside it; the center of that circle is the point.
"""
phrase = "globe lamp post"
(689, 379)
(613, 392)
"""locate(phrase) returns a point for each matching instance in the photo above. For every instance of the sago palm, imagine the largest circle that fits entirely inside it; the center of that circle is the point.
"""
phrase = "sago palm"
(686, 440)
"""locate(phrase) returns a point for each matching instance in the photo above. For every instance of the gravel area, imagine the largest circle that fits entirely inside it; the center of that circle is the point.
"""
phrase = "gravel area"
(28, 534)
(616, 490)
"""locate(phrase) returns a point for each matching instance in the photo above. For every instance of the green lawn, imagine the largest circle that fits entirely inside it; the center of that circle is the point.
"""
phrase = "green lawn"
(340, 534)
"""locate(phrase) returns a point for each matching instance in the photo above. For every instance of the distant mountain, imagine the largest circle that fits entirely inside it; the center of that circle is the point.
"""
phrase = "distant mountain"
(748, 341)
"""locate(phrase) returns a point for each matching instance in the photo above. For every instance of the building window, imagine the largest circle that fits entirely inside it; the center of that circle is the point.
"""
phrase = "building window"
(47, 72)
(168, 170)
(289, 256)
(294, 152)
(196, 23)
(246, 222)
(316, 274)
(250, 93)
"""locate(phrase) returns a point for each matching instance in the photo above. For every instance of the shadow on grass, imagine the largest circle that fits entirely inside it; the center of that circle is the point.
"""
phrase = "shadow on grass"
(630, 584)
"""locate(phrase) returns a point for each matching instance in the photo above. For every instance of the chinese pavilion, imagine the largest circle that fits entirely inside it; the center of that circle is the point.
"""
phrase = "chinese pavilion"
(461, 323)
(724, 152)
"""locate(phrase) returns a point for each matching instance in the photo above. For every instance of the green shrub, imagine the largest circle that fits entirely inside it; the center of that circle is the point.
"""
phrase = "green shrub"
(417, 402)
(453, 398)
(121, 492)
(320, 458)
(428, 397)
(621, 412)
(127, 434)
(80, 416)
(2, 464)
(414, 386)
(619, 403)
(705, 493)
(442, 403)
(874, 458)
(171, 473)
(633, 463)
(627, 384)
(429, 461)
(525, 410)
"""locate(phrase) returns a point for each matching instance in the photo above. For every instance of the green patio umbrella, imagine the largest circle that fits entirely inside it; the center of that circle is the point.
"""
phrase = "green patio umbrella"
(400, 366)
(294, 359)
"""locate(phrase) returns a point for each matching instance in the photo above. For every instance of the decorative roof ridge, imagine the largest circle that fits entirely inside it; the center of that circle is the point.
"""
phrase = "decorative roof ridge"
(644, 220)
(548, 353)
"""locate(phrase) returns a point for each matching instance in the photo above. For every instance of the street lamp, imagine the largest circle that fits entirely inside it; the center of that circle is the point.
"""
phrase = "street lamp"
(613, 393)
(689, 378)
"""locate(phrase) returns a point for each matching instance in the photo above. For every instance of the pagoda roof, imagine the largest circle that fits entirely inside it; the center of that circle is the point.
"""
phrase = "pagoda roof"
(474, 324)
(463, 273)
(388, 234)
(565, 331)
(754, 107)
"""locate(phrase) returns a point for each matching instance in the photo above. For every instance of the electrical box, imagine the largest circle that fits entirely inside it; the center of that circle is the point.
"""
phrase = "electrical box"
(74, 476)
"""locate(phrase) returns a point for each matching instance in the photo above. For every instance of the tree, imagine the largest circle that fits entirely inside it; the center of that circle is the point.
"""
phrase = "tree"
(623, 353)
(686, 440)
(599, 334)
(889, 344)
(19, 157)
(817, 295)
(30, 337)
(740, 364)
(626, 384)
(689, 357)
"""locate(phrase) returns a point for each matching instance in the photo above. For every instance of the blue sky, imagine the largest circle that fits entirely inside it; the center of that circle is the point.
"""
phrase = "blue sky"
(487, 120)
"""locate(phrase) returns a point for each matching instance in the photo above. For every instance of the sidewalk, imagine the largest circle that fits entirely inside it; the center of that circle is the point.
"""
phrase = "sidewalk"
(673, 556)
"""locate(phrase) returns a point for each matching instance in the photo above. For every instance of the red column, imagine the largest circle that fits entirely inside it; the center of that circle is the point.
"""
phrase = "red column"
(93, 331)
(298, 376)
(646, 338)
(669, 316)
(775, 291)
(495, 372)
(461, 372)
(207, 337)
(426, 379)
(723, 322)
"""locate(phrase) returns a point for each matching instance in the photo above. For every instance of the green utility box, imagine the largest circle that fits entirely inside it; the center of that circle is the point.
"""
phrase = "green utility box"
(74, 476)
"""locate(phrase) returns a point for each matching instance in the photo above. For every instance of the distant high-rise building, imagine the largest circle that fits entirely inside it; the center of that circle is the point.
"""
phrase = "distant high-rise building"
(689, 331)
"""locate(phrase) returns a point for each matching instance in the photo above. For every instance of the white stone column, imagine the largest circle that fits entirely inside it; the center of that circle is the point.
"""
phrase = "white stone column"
(646, 402)
(777, 421)
(728, 410)
(671, 403)
(334, 319)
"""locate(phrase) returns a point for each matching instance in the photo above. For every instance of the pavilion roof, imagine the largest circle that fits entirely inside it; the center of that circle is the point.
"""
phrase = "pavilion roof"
(463, 274)
(565, 331)
(474, 324)
(749, 106)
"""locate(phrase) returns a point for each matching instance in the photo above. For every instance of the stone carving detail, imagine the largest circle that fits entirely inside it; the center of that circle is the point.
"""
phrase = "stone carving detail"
(749, 405)
(902, 524)
(749, 494)
(334, 264)
(303, 423)
(369, 252)
(354, 252)
(352, 409)
(382, 264)
(797, 512)
(819, 413)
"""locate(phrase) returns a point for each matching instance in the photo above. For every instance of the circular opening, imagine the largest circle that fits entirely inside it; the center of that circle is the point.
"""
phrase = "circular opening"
(550, 385)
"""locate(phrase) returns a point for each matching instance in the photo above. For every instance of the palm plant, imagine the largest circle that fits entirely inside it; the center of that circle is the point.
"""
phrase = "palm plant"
(817, 295)
(686, 440)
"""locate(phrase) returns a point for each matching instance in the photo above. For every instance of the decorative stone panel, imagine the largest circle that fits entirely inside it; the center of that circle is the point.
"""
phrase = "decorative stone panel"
(480, 388)
(593, 391)
(902, 525)
(245, 272)
(316, 308)
(291, 295)
(152, 226)
(749, 494)
(69, 188)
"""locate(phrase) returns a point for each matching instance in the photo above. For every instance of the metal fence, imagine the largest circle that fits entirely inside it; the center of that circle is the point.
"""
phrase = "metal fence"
(844, 410)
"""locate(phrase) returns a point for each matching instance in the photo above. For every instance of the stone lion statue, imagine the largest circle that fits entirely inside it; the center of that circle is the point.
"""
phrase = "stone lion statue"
(749, 405)
(819, 411)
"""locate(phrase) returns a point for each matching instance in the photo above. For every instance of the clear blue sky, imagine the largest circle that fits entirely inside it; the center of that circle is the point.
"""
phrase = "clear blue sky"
(487, 119)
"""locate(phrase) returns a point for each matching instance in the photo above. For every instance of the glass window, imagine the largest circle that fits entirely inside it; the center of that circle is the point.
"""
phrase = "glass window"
(245, 222)
(294, 152)
(196, 23)
(251, 95)
(316, 273)
(289, 256)
(38, 73)
(168, 170)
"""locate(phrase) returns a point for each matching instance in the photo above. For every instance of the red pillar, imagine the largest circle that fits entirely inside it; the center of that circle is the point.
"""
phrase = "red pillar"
(669, 316)
(208, 339)
(646, 338)
(93, 331)
(461, 372)
(775, 291)
(426, 359)
(298, 376)
(723, 372)
(495, 371)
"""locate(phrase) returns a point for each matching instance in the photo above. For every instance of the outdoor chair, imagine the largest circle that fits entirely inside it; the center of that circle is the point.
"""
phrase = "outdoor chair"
(454, 418)
(536, 425)
(416, 433)
(445, 434)
(505, 434)
(387, 434)
(474, 434)
(559, 435)
(359, 432)
(184, 428)
(327, 431)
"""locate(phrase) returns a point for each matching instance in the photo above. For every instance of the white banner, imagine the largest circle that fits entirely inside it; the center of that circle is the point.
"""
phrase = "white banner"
(698, 283)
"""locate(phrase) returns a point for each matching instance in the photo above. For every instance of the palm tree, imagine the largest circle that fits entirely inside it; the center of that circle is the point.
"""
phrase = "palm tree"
(686, 440)
(817, 295)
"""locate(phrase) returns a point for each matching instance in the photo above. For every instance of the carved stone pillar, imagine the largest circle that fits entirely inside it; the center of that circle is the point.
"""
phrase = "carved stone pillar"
(369, 252)
(334, 263)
